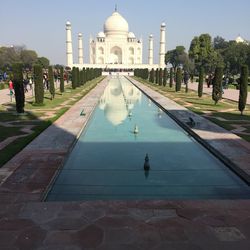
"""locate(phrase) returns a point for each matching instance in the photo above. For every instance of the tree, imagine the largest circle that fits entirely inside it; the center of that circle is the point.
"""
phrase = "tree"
(217, 84)
(51, 82)
(43, 62)
(220, 43)
(28, 57)
(202, 52)
(201, 79)
(160, 76)
(178, 80)
(171, 78)
(152, 75)
(177, 57)
(243, 88)
(38, 80)
(74, 77)
(165, 76)
(61, 79)
(157, 76)
(18, 86)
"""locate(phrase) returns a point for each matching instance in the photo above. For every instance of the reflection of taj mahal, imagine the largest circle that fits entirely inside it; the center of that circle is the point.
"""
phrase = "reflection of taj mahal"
(118, 101)
(115, 47)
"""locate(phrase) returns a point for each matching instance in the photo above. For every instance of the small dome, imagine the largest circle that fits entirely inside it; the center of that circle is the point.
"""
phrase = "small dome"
(116, 25)
(79, 34)
(151, 36)
(239, 39)
(68, 23)
(101, 34)
(131, 35)
(163, 25)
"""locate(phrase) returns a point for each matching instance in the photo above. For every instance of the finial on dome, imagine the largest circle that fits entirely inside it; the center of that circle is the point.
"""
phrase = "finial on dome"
(116, 8)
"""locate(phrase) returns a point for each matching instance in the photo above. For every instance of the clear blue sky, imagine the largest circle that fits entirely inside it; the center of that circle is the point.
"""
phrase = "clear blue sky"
(40, 25)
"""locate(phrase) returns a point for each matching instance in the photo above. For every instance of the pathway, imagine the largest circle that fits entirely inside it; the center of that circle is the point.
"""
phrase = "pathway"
(231, 94)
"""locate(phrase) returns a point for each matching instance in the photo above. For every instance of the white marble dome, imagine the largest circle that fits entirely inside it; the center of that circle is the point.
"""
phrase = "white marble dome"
(116, 25)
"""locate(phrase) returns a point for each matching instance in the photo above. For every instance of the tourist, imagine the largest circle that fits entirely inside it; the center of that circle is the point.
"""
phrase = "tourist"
(11, 88)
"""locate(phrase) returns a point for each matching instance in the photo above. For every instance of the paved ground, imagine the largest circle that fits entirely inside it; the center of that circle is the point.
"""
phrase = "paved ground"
(231, 94)
(26, 223)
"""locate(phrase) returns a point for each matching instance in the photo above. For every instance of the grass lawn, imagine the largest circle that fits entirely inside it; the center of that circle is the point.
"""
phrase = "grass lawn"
(225, 109)
(34, 116)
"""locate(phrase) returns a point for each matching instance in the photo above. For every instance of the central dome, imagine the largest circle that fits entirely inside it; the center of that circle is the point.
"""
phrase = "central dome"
(116, 25)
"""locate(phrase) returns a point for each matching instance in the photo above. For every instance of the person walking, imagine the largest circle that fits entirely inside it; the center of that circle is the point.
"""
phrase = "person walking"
(11, 88)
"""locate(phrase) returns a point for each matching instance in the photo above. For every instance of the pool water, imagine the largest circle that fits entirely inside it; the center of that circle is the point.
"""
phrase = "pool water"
(107, 162)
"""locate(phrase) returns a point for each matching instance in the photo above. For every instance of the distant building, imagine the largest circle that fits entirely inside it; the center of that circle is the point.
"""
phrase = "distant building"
(239, 39)
(115, 47)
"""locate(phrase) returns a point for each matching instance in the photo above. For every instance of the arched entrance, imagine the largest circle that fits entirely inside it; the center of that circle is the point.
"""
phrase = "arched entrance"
(116, 55)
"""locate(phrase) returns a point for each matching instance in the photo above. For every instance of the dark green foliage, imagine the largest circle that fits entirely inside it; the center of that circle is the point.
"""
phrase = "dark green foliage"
(217, 84)
(171, 78)
(152, 75)
(243, 88)
(165, 75)
(160, 76)
(84, 76)
(157, 76)
(61, 80)
(178, 80)
(39, 88)
(74, 77)
(201, 79)
(18, 86)
(77, 77)
(51, 82)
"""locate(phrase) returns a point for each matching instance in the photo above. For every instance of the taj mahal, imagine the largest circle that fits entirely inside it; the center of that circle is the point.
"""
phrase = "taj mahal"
(115, 47)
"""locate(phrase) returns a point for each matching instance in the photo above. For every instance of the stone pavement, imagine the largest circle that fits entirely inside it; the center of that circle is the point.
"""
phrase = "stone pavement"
(231, 94)
(26, 223)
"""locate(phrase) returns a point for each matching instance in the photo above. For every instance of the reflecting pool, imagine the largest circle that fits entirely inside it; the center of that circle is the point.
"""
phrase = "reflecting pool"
(108, 160)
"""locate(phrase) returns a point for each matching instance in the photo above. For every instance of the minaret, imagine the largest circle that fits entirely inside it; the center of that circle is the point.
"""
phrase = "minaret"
(150, 50)
(80, 49)
(69, 52)
(162, 47)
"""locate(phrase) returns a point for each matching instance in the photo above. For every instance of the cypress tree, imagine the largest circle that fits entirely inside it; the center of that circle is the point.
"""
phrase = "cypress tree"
(217, 84)
(157, 76)
(77, 77)
(178, 80)
(165, 77)
(84, 76)
(51, 82)
(74, 78)
(38, 80)
(152, 76)
(18, 86)
(160, 76)
(171, 78)
(201, 79)
(243, 88)
(61, 80)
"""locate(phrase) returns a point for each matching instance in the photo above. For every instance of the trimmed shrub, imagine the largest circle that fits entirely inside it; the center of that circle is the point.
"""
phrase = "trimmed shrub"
(18, 86)
(171, 78)
(243, 88)
(217, 85)
(51, 82)
(157, 76)
(160, 76)
(152, 76)
(178, 80)
(165, 75)
(200, 84)
(38, 81)
(74, 77)
(61, 80)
